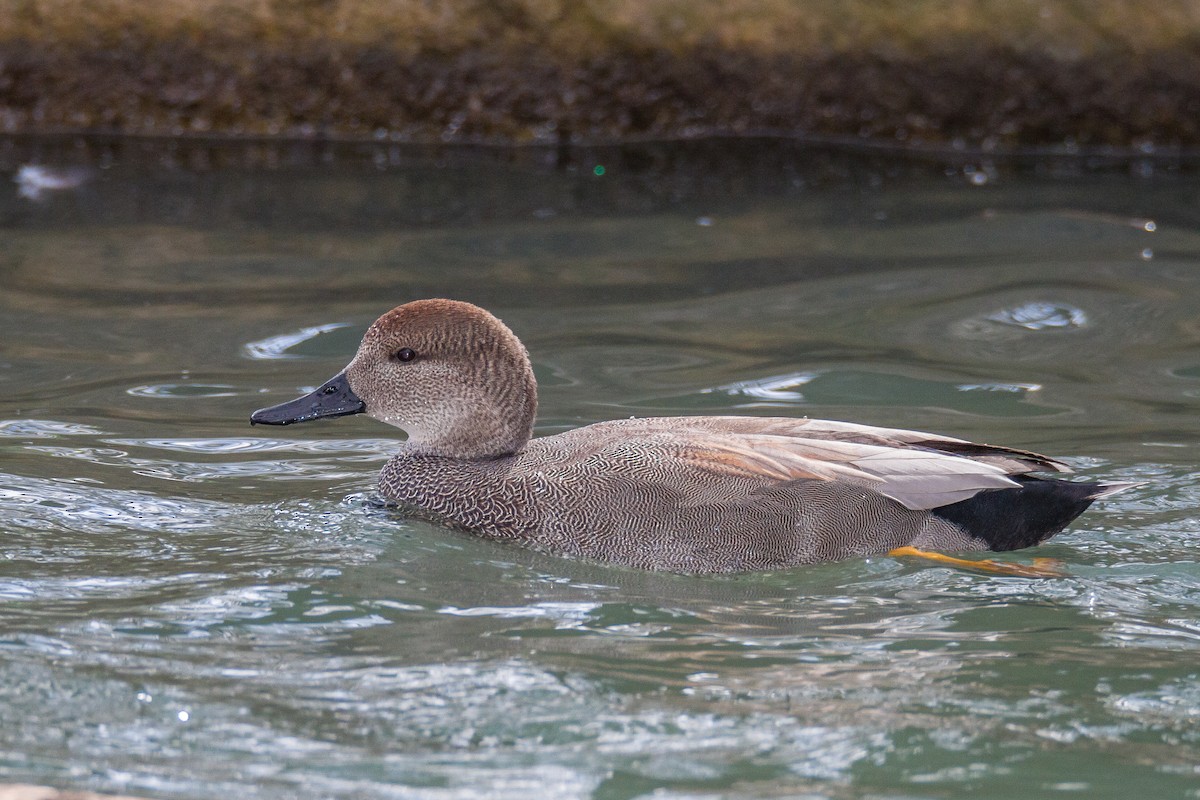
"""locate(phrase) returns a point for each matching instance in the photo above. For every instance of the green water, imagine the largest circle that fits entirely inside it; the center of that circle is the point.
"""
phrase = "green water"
(192, 608)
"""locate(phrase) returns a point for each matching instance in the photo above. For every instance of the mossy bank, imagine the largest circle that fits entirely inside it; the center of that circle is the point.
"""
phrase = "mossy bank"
(972, 73)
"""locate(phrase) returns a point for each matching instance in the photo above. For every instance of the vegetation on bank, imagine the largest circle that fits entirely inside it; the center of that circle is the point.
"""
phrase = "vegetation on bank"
(976, 72)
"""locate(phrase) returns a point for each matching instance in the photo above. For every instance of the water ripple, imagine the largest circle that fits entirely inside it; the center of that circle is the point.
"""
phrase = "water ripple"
(277, 347)
(232, 445)
(1011, 388)
(173, 391)
(44, 429)
(327, 469)
(777, 388)
(1041, 315)
(567, 614)
(40, 503)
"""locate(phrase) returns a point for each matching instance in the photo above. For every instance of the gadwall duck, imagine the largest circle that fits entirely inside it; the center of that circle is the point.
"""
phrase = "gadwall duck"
(685, 494)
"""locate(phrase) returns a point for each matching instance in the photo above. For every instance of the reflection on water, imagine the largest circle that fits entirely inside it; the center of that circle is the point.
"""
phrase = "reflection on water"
(287, 345)
(851, 387)
(193, 608)
(1040, 315)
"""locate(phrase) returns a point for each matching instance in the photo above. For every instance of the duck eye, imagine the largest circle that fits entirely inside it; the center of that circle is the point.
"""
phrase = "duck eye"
(405, 354)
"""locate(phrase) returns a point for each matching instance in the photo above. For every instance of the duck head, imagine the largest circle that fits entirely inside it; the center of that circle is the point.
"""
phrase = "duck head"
(448, 373)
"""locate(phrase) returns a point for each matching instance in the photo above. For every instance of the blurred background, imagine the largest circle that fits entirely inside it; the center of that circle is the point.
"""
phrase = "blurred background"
(957, 73)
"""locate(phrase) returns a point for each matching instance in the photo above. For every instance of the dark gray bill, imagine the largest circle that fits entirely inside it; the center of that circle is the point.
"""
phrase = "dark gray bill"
(334, 398)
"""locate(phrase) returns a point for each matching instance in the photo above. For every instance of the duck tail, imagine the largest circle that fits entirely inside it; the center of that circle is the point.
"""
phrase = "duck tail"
(1103, 490)
(1011, 519)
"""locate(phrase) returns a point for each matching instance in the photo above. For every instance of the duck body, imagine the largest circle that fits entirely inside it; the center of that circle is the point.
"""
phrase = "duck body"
(656, 494)
(684, 494)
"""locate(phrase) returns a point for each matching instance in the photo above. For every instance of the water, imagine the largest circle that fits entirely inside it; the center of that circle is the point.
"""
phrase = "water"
(196, 609)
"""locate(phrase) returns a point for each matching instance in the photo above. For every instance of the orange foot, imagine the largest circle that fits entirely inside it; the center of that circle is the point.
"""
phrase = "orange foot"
(1040, 568)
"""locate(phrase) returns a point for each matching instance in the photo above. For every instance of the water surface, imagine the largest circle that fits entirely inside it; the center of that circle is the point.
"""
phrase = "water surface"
(192, 608)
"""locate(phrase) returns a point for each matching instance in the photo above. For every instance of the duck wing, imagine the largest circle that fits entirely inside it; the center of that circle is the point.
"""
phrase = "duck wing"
(1011, 460)
(917, 478)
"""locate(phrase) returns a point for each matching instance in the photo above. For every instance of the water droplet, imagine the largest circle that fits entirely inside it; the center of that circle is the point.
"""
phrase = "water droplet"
(184, 716)
(704, 222)
(1147, 254)
(1149, 226)
(979, 178)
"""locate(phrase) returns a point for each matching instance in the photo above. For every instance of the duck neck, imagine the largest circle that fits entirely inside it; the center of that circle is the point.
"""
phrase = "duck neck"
(497, 421)
(480, 434)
